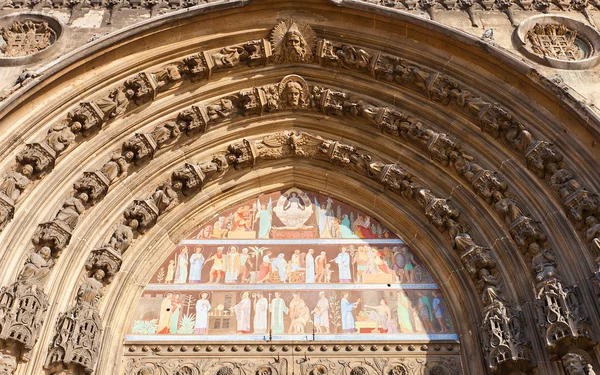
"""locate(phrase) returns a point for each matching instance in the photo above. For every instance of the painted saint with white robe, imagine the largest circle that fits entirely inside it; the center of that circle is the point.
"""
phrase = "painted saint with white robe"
(343, 262)
(324, 213)
(347, 315)
(279, 265)
(310, 266)
(181, 271)
(196, 263)
(261, 307)
(202, 309)
(264, 217)
(232, 265)
(277, 309)
(242, 313)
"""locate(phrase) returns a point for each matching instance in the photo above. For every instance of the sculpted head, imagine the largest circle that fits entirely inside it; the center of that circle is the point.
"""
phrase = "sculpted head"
(294, 44)
(574, 364)
(292, 95)
(8, 364)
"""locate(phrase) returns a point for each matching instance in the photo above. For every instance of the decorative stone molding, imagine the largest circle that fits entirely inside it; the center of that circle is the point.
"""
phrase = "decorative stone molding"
(315, 363)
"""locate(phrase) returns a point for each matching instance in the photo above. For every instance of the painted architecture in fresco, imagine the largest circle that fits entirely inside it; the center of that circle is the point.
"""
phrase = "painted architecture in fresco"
(293, 264)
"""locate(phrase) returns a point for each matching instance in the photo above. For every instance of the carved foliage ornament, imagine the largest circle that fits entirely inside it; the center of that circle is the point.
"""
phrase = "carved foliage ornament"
(26, 38)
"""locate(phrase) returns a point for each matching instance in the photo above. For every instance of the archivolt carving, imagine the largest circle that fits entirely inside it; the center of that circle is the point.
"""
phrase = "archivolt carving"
(144, 213)
(294, 41)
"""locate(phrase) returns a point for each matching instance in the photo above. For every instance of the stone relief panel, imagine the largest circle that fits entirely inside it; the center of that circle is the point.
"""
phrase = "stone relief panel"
(24, 38)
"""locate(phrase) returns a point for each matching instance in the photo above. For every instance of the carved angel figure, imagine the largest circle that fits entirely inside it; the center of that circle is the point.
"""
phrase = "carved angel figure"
(293, 42)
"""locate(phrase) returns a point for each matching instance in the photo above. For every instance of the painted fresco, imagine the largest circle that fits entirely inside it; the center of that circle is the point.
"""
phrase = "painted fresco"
(292, 264)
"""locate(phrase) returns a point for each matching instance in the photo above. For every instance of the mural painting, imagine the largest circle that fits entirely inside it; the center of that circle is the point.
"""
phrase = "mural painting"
(288, 265)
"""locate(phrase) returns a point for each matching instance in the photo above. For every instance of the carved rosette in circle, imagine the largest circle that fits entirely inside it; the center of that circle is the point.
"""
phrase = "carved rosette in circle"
(25, 38)
(318, 370)
(265, 370)
(398, 370)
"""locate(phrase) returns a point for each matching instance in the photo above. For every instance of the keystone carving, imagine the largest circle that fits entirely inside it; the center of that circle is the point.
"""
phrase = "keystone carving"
(293, 42)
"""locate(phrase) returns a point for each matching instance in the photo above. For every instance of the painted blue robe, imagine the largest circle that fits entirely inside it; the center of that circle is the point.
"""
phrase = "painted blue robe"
(347, 317)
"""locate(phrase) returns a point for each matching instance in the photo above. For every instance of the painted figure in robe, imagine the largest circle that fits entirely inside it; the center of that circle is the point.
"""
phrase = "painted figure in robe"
(279, 265)
(264, 218)
(202, 308)
(181, 270)
(347, 316)
(382, 315)
(277, 309)
(176, 308)
(321, 314)
(404, 306)
(232, 266)
(437, 311)
(164, 320)
(310, 266)
(265, 268)
(196, 263)
(242, 313)
(425, 312)
(261, 307)
(343, 262)
(324, 214)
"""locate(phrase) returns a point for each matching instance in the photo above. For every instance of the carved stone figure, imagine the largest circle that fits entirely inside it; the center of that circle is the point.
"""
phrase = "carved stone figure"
(193, 120)
(38, 157)
(140, 147)
(229, 57)
(91, 290)
(8, 364)
(121, 238)
(489, 286)
(116, 167)
(563, 181)
(220, 110)
(141, 215)
(26, 38)
(61, 136)
(140, 88)
(473, 256)
(87, 117)
(293, 42)
(114, 104)
(542, 262)
(14, 183)
(164, 197)
(165, 132)
(293, 92)
(593, 233)
(93, 184)
(71, 210)
(523, 229)
(54, 234)
(167, 75)
(37, 267)
(576, 364)
(196, 65)
(539, 155)
(437, 210)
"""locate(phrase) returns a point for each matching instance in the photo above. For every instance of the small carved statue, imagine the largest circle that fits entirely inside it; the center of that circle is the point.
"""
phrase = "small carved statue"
(593, 233)
(121, 238)
(229, 57)
(115, 167)
(488, 284)
(542, 263)
(220, 110)
(14, 183)
(8, 364)
(91, 290)
(164, 196)
(62, 135)
(563, 181)
(37, 267)
(114, 104)
(576, 364)
(71, 209)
